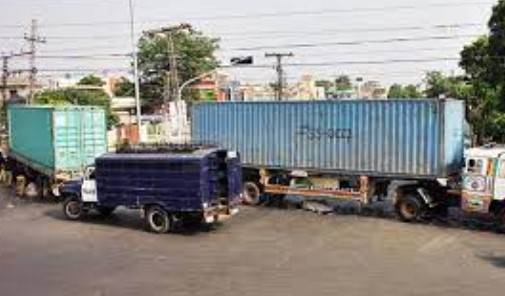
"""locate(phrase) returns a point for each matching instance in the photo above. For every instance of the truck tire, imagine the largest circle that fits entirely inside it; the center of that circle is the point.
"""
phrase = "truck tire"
(72, 208)
(252, 194)
(105, 211)
(158, 220)
(409, 208)
(500, 220)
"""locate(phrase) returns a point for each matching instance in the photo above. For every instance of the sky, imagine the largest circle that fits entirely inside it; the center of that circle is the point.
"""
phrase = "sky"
(386, 40)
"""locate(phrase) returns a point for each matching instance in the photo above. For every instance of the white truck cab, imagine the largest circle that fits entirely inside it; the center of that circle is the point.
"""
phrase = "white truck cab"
(483, 183)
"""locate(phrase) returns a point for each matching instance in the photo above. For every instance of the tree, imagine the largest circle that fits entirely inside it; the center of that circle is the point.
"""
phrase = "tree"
(496, 41)
(71, 96)
(91, 80)
(411, 91)
(476, 60)
(343, 82)
(195, 54)
(395, 91)
(324, 83)
(124, 88)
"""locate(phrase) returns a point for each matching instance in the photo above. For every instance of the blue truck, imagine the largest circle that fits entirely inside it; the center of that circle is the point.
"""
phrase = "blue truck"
(169, 186)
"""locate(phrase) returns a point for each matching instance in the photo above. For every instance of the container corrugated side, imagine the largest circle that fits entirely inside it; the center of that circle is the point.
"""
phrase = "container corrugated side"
(30, 134)
(411, 138)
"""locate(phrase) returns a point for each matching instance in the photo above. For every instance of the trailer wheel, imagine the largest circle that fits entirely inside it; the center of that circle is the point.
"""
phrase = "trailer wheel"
(252, 193)
(409, 208)
(72, 207)
(158, 220)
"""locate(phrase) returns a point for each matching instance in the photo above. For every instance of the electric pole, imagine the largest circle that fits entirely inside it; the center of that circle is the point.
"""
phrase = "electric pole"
(33, 39)
(135, 68)
(5, 75)
(280, 72)
(168, 32)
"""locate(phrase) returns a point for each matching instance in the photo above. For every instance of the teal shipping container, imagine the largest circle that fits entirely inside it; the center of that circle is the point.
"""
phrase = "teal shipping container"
(57, 140)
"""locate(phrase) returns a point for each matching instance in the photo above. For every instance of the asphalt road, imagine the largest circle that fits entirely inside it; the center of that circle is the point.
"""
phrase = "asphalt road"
(260, 252)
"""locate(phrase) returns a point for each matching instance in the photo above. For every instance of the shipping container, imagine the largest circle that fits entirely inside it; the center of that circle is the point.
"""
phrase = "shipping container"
(55, 140)
(418, 138)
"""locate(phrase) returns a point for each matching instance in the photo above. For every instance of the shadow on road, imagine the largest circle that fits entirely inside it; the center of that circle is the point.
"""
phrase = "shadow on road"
(130, 219)
(496, 261)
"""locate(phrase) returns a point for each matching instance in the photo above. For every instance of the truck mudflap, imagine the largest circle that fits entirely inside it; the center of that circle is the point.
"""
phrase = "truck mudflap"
(219, 214)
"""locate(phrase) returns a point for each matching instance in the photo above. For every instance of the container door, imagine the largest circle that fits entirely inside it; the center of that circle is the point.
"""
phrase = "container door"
(499, 181)
(93, 137)
(234, 177)
(67, 139)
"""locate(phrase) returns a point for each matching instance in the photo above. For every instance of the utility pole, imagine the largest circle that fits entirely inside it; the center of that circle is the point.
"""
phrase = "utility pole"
(135, 68)
(5, 75)
(33, 39)
(280, 72)
(168, 32)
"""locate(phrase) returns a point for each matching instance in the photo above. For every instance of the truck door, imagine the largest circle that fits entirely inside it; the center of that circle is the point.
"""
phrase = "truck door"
(88, 190)
(499, 181)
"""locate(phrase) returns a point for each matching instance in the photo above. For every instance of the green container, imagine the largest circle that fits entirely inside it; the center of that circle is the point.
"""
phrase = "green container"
(57, 139)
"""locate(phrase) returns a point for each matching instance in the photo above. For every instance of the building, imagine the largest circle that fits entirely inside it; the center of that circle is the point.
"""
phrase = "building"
(214, 87)
(125, 109)
(372, 90)
(17, 89)
(305, 89)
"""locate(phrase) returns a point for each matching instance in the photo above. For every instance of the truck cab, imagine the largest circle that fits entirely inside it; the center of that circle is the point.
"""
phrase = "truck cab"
(483, 181)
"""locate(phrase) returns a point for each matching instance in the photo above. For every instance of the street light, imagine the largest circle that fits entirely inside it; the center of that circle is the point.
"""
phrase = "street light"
(191, 81)
(135, 68)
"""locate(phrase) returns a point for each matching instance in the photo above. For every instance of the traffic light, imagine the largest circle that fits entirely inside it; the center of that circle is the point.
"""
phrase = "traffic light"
(247, 60)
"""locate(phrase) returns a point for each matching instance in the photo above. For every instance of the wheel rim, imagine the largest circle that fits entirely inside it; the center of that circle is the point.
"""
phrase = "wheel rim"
(73, 209)
(251, 193)
(408, 210)
(158, 221)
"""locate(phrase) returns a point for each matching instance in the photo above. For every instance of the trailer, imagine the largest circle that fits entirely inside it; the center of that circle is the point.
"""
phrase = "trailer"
(409, 153)
(167, 185)
(52, 144)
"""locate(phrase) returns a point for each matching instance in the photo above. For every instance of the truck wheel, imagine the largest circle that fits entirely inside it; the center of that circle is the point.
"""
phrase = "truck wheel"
(409, 208)
(158, 220)
(105, 211)
(500, 221)
(72, 207)
(252, 193)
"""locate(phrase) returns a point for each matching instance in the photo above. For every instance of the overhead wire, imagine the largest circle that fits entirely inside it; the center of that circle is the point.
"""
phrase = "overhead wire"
(275, 14)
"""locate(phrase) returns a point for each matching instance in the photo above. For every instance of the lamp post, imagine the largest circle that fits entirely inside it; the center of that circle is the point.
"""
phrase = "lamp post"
(135, 68)
(191, 81)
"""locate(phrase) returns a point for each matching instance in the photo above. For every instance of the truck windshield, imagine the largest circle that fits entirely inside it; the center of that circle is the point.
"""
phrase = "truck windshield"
(475, 166)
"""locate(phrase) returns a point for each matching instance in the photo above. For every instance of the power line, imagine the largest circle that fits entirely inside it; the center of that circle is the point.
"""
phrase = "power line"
(381, 62)
(356, 42)
(355, 30)
(258, 34)
(276, 14)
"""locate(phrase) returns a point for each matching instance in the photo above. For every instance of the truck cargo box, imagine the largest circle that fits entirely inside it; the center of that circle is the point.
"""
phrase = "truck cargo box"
(56, 140)
(419, 138)
(188, 181)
